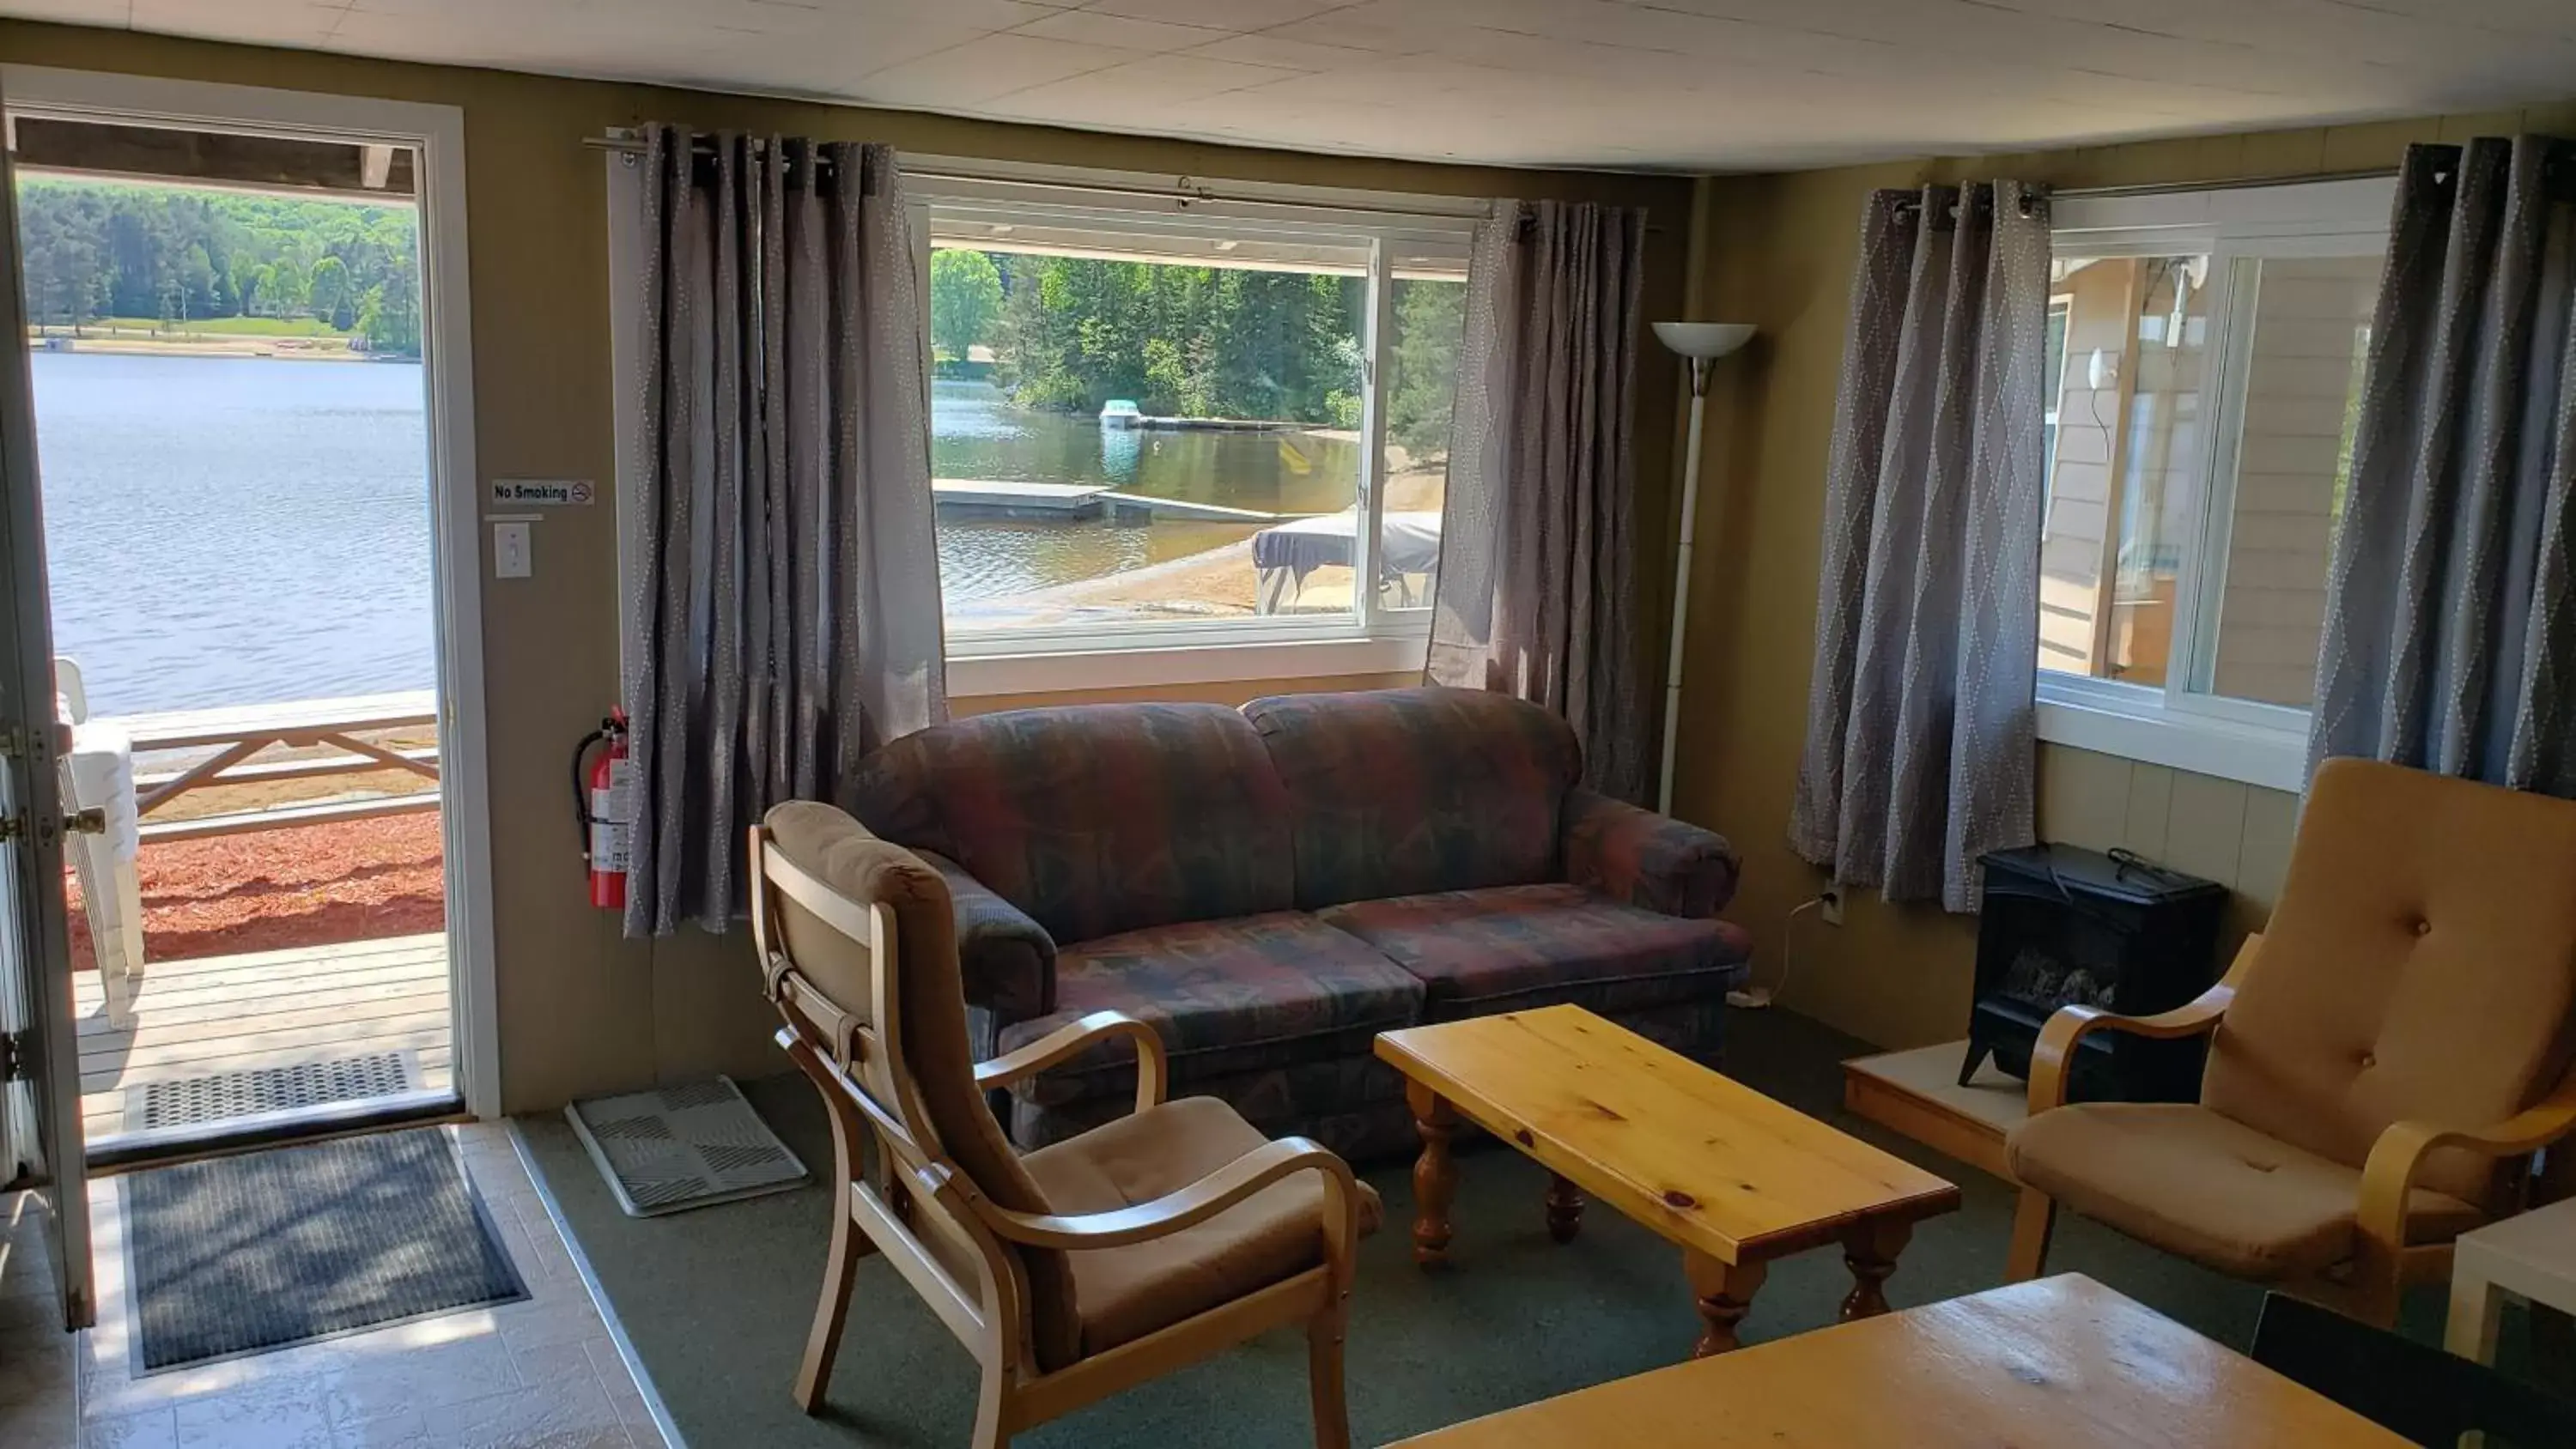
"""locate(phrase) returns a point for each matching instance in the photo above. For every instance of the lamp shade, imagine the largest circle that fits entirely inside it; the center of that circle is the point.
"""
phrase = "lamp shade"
(1704, 340)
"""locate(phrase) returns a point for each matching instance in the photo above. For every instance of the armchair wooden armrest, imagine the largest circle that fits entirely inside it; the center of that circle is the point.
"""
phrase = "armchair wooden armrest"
(2388, 1176)
(2051, 1059)
(1194, 1204)
(1153, 1066)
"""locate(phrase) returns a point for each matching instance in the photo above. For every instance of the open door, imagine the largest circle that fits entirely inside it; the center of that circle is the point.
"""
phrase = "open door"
(40, 1122)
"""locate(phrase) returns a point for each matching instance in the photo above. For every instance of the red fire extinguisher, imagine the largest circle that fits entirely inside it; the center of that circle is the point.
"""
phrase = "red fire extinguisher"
(602, 802)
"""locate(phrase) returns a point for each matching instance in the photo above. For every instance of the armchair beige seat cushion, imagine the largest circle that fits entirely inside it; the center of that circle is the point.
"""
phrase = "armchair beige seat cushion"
(2209, 1187)
(2384, 1058)
(1122, 1294)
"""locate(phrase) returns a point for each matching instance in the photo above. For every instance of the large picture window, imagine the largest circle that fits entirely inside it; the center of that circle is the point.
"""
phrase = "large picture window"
(2206, 363)
(1156, 425)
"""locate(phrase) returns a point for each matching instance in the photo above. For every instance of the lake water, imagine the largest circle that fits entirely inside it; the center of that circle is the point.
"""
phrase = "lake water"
(243, 530)
(235, 530)
(976, 433)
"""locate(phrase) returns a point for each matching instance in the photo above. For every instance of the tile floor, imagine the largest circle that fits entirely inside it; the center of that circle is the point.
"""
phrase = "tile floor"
(546, 1372)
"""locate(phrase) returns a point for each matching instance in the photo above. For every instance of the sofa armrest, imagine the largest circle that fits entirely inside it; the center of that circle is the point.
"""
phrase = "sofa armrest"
(1645, 859)
(1006, 959)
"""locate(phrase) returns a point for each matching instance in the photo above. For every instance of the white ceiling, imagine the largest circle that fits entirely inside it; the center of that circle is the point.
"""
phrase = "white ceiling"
(1668, 84)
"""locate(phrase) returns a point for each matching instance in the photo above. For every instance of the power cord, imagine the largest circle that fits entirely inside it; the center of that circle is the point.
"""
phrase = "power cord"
(1759, 998)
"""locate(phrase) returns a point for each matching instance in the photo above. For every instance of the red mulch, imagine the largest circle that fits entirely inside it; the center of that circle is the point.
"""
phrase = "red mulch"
(314, 885)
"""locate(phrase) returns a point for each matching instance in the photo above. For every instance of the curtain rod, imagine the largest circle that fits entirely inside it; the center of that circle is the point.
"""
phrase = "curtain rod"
(1186, 192)
(2159, 188)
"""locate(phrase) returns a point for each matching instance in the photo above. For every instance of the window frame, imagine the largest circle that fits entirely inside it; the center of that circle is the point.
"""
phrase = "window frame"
(1404, 236)
(2183, 723)
(2061, 320)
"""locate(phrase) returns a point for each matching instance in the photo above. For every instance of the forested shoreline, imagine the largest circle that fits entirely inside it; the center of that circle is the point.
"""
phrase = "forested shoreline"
(1068, 334)
(102, 253)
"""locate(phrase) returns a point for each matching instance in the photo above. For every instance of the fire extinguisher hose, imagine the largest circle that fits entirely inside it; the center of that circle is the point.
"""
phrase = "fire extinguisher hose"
(581, 787)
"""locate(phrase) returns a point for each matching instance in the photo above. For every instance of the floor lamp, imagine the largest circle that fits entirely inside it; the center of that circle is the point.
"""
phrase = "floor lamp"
(1700, 343)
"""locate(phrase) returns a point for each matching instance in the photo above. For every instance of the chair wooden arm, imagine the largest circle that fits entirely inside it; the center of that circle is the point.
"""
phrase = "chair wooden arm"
(2051, 1059)
(2388, 1176)
(1171, 1213)
(1153, 1065)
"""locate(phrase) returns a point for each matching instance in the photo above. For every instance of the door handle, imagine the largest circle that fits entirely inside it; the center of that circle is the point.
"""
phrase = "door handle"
(92, 821)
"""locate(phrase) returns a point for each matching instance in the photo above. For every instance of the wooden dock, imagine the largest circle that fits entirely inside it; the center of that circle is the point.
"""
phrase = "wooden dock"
(1078, 502)
(212, 1014)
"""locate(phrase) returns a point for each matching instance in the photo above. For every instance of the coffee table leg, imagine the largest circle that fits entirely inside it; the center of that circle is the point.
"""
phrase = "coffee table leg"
(1435, 1177)
(1564, 1209)
(1870, 1252)
(1725, 1292)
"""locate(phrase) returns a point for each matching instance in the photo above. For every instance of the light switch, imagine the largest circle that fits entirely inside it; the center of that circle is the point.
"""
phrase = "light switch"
(510, 551)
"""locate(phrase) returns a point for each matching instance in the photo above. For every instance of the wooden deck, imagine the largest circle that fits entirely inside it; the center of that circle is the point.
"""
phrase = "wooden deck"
(269, 1008)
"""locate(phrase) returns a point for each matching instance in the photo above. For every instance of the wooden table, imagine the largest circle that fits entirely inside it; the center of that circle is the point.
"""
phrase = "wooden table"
(2063, 1362)
(2531, 1257)
(1731, 1176)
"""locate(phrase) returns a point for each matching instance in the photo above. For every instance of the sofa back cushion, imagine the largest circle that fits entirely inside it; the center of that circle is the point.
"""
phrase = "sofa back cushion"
(2421, 965)
(1397, 792)
(1093, 819)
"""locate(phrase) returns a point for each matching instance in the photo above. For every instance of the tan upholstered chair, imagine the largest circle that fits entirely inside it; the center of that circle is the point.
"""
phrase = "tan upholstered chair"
(1083, 1268)
(2384, 1060)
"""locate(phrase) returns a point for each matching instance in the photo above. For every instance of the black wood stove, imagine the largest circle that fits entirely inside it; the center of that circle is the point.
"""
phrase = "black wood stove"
(2063, 926)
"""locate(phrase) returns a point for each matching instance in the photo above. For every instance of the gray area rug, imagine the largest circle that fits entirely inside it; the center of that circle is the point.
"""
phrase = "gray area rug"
(236, 1255)
(717, 1302)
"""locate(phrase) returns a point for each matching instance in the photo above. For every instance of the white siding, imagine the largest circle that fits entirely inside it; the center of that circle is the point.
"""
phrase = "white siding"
(2309, 317)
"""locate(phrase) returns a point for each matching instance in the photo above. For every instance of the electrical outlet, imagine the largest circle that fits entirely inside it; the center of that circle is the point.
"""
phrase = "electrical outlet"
(1829, 904)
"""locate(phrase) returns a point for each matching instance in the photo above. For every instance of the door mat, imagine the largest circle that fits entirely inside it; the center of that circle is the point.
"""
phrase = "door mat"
(222, 1096)
(239, 1255)
(683, 1147)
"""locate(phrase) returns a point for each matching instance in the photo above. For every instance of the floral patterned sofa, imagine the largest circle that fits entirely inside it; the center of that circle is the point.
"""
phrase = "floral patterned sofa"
(1273, 887)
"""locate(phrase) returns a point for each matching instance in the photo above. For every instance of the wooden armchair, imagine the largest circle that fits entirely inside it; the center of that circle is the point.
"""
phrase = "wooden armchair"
(1081, 1269)
(2384, 1060)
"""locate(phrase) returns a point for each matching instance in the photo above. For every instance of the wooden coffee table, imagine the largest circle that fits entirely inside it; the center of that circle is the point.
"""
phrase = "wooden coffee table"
(2062, 1361)
(1730, 1176)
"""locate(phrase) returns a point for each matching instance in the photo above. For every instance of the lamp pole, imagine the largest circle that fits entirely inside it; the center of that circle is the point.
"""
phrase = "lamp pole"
(1699, 344)
(1681, 582)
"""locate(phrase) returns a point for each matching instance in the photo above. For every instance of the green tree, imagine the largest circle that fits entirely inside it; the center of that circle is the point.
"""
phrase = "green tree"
(389, 317)
(1422, 380)
(329, 291)
(288, 289)
(965, 300)
(200, 285)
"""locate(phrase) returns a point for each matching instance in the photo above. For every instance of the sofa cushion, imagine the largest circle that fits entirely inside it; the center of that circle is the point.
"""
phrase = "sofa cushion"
(1225, 996)
(1093, 819)
(2189, 1181)
(1123, 1294)
(1398, 791)
(1503, 949)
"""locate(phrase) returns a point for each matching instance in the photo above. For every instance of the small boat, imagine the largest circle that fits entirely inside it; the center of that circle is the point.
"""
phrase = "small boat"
(1121, 412)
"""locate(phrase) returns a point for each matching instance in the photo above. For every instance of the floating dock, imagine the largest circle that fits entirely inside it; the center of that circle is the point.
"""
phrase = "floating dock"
(1077, 502)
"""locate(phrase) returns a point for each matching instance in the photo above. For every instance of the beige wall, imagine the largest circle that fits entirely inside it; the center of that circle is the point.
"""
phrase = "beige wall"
(1780, 252)
(581, 1010)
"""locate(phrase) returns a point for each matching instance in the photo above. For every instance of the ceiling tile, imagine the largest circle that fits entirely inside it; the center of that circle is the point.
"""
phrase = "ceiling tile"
(984, 68)
(1286, 54)
(1678, 84)
(1221, 14)
(1096, 28)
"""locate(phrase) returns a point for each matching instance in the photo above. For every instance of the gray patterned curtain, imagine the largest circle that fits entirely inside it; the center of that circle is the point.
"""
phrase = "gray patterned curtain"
(783, 616)
(1919, 754)
(2450, 638)
(1536, 592)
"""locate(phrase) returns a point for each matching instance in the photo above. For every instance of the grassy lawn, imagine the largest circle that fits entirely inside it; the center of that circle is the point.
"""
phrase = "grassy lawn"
(217, 327)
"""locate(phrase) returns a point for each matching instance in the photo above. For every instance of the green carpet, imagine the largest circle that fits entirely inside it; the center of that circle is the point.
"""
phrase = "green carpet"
(717, 1301)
